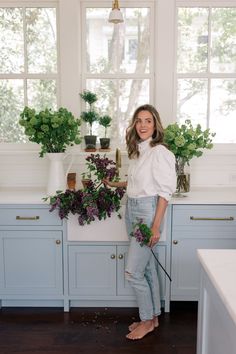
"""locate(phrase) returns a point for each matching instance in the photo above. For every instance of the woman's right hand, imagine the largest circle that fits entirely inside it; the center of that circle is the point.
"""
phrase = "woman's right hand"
(109, 183)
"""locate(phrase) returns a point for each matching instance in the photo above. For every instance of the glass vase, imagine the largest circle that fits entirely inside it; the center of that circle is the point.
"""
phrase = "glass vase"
(183, 178)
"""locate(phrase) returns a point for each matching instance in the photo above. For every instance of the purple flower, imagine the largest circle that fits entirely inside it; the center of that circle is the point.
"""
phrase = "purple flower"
(96, 201)
(141, 232)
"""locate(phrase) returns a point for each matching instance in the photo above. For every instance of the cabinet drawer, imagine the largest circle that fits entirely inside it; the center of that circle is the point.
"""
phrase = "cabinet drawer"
(204, 215)
(28, 217)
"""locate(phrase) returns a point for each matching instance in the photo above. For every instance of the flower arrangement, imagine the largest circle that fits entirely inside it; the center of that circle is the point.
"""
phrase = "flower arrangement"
(95, 201)
(142, 234)
(186, 142)
(55, 131)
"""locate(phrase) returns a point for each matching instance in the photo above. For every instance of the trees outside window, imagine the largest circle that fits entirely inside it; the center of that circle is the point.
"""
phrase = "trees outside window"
(28, 65)
(117, 63)
(206, 69)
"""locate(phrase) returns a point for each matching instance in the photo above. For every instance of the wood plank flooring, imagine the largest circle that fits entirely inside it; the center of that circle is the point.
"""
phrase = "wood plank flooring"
(95, 330)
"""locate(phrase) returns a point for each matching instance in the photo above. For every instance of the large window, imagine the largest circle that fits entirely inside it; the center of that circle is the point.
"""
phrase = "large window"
(117, 63)
(28, 65)
(206, 69)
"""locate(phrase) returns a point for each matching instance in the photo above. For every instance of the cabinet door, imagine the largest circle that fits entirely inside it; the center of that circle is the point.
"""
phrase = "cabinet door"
(31, 262)
(123, 287)
(92, 270)
(185, 265)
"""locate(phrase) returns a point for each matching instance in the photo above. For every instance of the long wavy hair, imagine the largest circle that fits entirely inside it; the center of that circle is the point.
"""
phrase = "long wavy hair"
(132, 138)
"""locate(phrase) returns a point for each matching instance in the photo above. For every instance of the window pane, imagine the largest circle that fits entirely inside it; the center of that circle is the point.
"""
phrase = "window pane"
(11, 40)
(223, 40)
(41, 40)
(124, 48)
(41, 94)
(192, 39)
(11, 104)
(223, 110)
(132, 93)
(127, 94)
(106, 103)
(192, 101)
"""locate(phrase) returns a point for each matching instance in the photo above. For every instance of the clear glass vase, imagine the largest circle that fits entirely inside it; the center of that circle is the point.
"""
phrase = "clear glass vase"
(183, 178)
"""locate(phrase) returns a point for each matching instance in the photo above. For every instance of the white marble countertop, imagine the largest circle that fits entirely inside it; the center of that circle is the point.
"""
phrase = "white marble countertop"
(220, 266)
(23, 195)
(207, 196)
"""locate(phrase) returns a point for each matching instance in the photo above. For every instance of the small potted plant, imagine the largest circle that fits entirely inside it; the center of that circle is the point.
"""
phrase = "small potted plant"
(89, 117)
(105, 121)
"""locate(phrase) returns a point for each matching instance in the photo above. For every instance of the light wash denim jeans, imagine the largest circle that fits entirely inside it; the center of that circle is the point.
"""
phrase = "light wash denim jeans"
(140, 268)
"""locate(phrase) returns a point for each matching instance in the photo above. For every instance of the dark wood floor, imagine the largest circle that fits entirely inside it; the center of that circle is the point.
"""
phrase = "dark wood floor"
(100, 330)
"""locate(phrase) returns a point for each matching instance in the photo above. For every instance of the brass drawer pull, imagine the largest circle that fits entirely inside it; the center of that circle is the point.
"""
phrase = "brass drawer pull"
(230, 218)
(27, 217)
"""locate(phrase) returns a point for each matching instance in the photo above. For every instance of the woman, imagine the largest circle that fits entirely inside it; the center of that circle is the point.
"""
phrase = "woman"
(151, 182)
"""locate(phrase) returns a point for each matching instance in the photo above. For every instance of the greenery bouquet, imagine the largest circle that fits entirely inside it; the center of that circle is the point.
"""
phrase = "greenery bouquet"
(55, 131)
(186, 142)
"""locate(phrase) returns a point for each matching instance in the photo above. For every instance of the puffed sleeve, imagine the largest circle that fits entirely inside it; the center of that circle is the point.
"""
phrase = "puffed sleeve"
(163, 171)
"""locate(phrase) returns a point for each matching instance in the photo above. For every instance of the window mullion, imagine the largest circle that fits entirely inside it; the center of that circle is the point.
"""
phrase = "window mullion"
(25, 57)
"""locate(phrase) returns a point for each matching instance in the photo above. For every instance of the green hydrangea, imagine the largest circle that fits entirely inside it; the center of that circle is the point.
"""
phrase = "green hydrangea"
(55, 131)
(187, 142)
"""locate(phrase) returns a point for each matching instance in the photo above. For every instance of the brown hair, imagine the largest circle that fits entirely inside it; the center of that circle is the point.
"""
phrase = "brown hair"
(132, 138)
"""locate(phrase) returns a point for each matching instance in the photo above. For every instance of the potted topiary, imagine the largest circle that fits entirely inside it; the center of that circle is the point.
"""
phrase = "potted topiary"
(105, 121)
(90, 117)
(55, 131)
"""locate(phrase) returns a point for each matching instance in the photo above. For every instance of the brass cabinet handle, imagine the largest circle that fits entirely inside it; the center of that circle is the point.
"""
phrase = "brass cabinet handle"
(175, 242)
(230, 218)
(58, 242)
(121, 256)
(27, 217)
(113, 256)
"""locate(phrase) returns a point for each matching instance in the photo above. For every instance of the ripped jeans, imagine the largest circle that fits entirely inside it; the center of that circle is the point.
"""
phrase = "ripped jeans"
(140, 268)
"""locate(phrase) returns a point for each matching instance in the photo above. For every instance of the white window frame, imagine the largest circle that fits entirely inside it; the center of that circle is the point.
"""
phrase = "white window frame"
(123, 4)
(22, 147)
(219, 148)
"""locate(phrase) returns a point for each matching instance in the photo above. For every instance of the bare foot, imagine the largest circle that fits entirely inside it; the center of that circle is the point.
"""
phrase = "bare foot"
(136, 324)
(141, 330)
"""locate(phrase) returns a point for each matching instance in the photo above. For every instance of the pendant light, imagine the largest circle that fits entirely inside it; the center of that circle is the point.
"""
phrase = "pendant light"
(115, 14)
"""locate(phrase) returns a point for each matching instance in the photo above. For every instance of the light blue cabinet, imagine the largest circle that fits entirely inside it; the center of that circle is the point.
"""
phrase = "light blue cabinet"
(197, 227)
(31, 254)
(98, 271)
(92, 270)
(31, 262)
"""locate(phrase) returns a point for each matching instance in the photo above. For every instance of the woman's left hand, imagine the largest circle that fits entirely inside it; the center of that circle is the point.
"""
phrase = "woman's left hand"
(155, 237)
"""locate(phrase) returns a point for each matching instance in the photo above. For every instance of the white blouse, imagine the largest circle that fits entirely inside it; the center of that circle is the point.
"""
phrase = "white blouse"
(152, 173)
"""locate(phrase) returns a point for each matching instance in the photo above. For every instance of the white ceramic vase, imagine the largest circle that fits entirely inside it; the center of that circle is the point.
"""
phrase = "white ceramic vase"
(57, 177)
